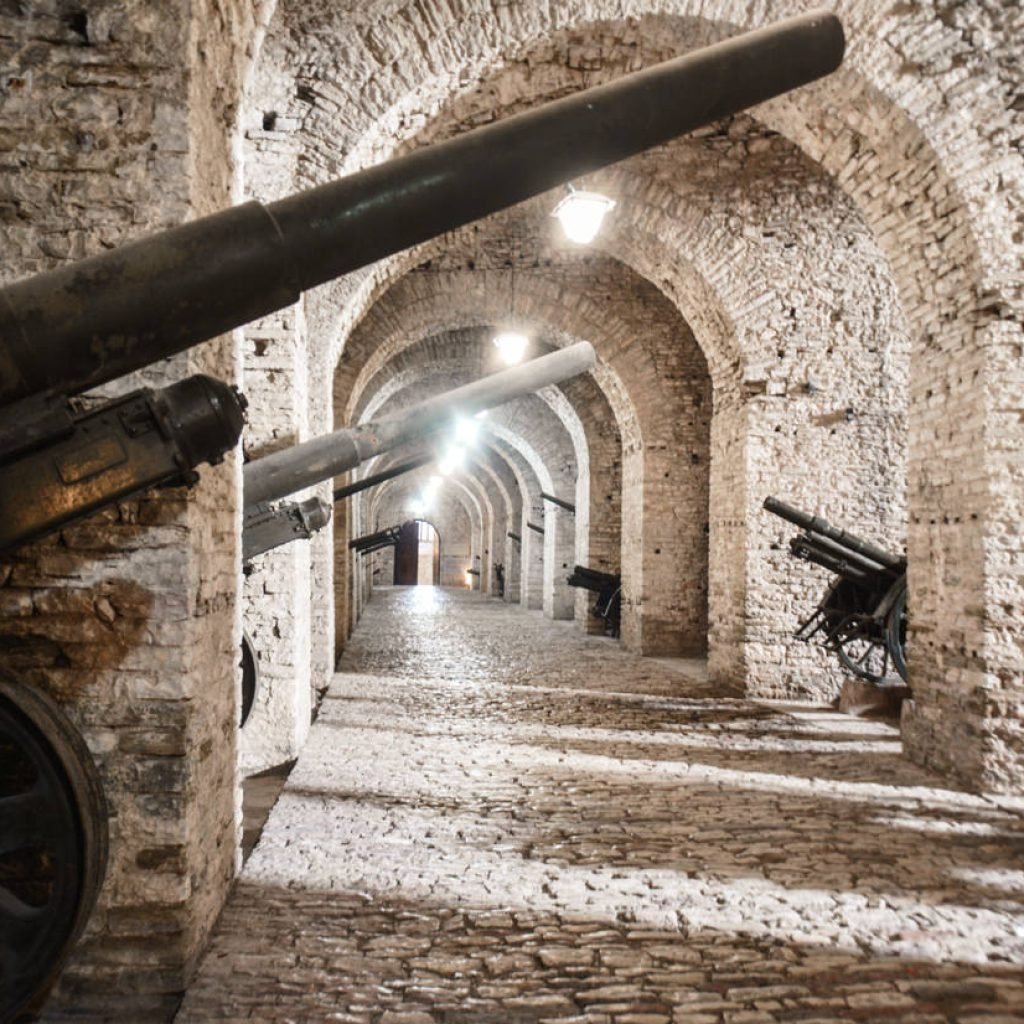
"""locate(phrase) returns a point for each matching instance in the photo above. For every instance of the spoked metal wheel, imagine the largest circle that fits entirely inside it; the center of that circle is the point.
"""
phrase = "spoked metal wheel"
(250, 679)
(53, 844)
(859, 651)
(896, 633)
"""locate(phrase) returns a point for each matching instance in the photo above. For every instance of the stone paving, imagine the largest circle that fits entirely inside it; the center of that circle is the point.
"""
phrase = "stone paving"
(497, 819)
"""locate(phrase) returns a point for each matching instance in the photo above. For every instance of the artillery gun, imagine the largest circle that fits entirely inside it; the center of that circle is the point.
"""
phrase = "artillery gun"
(608, 588)
(863, 615)
(67, 331)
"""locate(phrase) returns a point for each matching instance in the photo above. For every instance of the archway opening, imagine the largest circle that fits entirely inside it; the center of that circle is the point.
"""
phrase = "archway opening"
(418, 555)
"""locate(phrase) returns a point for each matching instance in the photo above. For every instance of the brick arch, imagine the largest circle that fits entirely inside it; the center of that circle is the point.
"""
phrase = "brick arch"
(456, 363)
(420, 310)
(927, 162)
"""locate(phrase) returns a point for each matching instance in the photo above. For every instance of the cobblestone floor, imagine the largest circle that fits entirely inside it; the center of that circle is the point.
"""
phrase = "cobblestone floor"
(497, 819)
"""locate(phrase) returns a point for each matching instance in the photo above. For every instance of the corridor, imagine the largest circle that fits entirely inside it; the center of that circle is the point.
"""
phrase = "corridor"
(498, 819)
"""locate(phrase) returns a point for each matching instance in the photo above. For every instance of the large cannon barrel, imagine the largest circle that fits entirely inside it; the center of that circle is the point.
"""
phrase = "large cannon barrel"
(815, 524)
(303, 465)
(79, 326)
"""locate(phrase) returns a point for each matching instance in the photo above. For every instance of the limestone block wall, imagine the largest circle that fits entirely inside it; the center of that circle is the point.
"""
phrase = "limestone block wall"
(277, 613)
(130, 618)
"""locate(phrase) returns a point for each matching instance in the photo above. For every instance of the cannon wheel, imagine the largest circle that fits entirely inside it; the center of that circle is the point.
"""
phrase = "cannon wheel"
(250, 679)
(53, 844)
(896, 632)
(866, 657)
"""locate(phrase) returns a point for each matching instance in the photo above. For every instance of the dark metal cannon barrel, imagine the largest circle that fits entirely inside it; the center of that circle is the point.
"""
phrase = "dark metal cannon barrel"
(560, 502)
(591, 579)
(348, 490)
(814, 547)
(815, 524)
(371, 541)
(87, 323)
(535, 528)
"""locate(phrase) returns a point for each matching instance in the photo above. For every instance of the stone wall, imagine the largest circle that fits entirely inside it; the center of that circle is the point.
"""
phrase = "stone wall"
(130, 618)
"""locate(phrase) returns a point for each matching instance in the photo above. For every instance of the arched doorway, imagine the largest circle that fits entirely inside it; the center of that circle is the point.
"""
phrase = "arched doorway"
(418, 555)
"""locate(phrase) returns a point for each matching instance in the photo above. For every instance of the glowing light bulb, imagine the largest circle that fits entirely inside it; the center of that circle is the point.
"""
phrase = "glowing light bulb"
(511, 345)
(581, 215)
(466, 430)
(453, 459)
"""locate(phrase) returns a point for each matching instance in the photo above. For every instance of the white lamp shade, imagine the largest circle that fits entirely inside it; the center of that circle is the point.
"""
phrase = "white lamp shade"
(581, 214)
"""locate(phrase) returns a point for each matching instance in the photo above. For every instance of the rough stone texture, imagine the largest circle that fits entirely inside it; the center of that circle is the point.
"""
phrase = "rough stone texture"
(517, 823)
(130, 618)
(855, 246)
(276, 613)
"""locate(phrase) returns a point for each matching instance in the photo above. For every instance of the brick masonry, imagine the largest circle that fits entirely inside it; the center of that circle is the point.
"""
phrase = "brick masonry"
(861, 237)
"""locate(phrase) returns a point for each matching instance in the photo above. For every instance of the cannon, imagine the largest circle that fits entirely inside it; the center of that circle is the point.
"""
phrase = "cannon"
(561, 503)
(288, 471)
(70, 330)
(341, 493)
(608, 588)
(371, 542)
(265, 527)
(863, 614)
(291, 469)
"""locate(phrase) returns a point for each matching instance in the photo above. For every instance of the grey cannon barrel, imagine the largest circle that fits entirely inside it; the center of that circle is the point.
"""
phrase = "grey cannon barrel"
(79, 326)
(288, 471)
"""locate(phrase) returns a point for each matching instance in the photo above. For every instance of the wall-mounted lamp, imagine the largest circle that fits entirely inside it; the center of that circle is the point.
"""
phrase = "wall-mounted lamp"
(581, 214)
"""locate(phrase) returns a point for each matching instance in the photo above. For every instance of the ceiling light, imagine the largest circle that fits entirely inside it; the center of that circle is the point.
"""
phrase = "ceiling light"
(511, 346)
(453, 459)
(581, 214)
(466, 430)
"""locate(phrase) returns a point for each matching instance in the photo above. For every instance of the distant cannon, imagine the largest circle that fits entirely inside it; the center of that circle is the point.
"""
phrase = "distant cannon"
(561, 503)
(608, 588)
(863, 615)
(370, 542)
(303, 465)
(341, 493)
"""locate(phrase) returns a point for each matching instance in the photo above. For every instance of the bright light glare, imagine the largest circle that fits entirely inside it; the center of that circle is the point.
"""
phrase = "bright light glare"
(418, 506)
(453, 459)
(511, 345)
(581, 214)
(481, 415)
(466, 430)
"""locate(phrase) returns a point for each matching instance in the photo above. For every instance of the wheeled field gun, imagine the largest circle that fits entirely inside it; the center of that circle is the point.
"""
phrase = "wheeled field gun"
(285, 472)
(608, 588)
(71, 329)
(863, 615)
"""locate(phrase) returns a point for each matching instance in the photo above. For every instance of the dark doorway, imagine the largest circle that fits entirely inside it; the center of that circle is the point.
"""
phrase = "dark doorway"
(418, 555)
